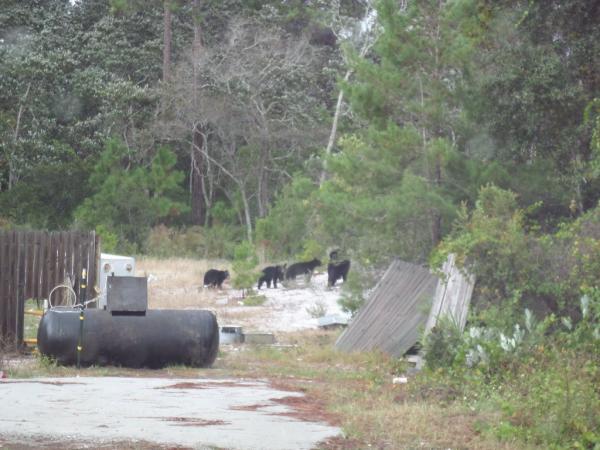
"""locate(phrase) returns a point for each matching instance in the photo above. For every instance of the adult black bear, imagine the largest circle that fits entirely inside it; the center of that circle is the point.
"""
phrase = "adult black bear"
(271, 274)
(215, 278)
(300, 268)
(337, 271)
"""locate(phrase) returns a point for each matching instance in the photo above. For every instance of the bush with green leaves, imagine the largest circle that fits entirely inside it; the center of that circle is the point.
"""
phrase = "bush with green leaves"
(541, 376)
(283, 231)
(517, 267)
(47, 195)
(442, 344)
(244, 267)
(353, 290)
(131, 197)
(193, 242)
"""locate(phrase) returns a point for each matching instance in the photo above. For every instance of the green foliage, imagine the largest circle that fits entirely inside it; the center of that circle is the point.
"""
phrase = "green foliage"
(284, 230)
(376, 205)
(244, 266)
(47, 195)
(353, 290)
(544, 384)
(592, 118)
(108, 238)
(129, 201)
(222, 214)
(442, 344)
(317, 310)
(255, 300)
(393, 189)
(539, 51)
(311, 250)
(193, 242)
(547, 273)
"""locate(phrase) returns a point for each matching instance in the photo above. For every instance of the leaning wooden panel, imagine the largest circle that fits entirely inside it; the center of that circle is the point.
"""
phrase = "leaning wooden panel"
(392, 318)
(452, 296)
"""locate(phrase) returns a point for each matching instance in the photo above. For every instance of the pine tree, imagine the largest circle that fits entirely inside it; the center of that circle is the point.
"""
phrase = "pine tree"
(392, 181)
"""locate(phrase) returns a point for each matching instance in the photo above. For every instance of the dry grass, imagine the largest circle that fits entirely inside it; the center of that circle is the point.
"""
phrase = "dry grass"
(358, 394)
(177, 283)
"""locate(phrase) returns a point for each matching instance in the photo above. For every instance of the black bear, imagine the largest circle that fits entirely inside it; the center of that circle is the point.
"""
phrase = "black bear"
(333, 255)
(300, 268)
(271, 274)
(215, 278)
(337, 271)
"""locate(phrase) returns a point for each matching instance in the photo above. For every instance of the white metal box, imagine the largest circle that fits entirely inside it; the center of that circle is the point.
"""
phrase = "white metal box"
(116, 265)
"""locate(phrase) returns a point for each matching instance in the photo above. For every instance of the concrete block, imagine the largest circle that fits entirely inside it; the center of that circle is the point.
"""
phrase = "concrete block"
(259, 338)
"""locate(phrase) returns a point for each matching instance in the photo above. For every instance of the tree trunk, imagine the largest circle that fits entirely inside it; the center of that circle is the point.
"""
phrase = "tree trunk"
(333, 133)
(167, 42)
(197, 158)
(436, 217)
(12, 176)
(370, 39)
(247, 215)
(198, 204)
(207, 188)
(263, 188)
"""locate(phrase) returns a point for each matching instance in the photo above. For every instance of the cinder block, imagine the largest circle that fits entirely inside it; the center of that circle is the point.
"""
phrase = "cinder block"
(259, 338)
(231, 335)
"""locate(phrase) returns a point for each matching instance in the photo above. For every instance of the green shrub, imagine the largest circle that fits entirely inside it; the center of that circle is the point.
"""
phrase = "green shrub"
(353, 290)
(283, 231)
(255, 300)
(442, 344)
(130, 198)
(543, 378)
(517, 268)
(109, 239)
(193, 242)
(244, 267)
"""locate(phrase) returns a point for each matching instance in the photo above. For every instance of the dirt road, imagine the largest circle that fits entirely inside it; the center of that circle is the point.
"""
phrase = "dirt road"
(156, 413)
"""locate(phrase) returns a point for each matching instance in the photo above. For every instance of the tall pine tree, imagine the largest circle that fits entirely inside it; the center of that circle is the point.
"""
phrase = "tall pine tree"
(393, 181)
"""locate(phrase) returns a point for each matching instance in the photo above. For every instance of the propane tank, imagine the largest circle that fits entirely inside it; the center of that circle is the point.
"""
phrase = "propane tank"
(153, 339)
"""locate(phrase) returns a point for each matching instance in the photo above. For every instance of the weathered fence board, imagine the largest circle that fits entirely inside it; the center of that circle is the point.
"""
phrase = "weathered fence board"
(407, 298)
(391, 318)
(32, 263)
(452, 296)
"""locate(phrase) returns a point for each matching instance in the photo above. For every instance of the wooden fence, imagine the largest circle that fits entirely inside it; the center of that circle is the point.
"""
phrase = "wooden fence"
(32, 263)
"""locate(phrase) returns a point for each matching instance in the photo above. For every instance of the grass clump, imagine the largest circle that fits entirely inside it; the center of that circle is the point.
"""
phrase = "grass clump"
(254, 300)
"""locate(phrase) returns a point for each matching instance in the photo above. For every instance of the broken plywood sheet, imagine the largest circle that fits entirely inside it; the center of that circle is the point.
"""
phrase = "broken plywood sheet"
(407, 300)
(452, 296)
(394, 316)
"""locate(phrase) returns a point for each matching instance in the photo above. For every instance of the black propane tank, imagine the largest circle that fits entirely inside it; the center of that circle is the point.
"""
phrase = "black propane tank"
(154, 339)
